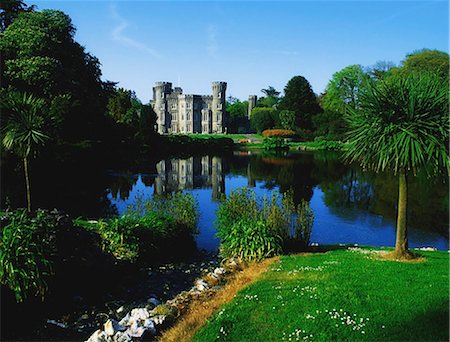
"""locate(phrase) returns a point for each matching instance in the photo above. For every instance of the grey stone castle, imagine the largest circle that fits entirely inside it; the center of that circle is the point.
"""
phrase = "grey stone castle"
(182, 113)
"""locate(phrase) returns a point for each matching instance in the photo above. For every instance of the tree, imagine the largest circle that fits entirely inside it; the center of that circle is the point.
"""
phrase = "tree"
(268, 102)
(401, 125)
(299, 98)
(380, 69)
(270, 91)
(344, 88)
(238, 116)
(41, 57)
(263, 118)
(287, 119)
(425, 60)
(10, 9)
(25, 130)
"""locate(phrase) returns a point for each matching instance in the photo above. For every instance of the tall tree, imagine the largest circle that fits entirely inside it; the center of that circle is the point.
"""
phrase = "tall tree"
(425, 60)
(270, 91)
(41, 57)
(9, 11)
(300, 98)
(401, 124)
(26, 129)
(344, 89)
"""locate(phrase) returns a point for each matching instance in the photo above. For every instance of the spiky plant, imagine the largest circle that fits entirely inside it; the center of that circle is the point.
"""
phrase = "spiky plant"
(401, 126)
(25, 128)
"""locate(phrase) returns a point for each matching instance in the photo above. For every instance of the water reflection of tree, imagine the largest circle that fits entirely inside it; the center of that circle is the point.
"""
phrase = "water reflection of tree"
(377, 193)
(121, 185)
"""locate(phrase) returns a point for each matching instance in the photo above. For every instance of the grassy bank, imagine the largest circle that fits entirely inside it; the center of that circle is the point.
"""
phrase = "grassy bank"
(296, 146)
(339, 295)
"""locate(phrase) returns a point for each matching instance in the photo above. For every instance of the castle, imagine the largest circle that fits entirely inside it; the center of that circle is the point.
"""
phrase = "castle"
(182, 113)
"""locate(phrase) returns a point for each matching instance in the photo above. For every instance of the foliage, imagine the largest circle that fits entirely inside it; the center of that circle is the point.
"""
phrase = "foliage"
(287, 119)
(402, 124)
(41, 57)
(146, 226)
(26, 245)
(10, 10)
(329, 125)
(25, 129)
(381, 70)
(274, 143)
(123, 107)
(280, 133)
(425, 60)
(268, 102)
(251, 229)
(263, 118)
(238, 118)
(270, 91)
(300, 98)
(344, 89)
(303, 295)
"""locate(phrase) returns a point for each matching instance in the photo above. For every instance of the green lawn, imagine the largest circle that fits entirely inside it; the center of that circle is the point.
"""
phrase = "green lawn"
(340, 295)
(231, 136)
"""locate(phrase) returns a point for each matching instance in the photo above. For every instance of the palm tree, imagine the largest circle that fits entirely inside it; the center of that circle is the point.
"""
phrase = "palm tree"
(401, 126)
(24, 129)
(270, 91)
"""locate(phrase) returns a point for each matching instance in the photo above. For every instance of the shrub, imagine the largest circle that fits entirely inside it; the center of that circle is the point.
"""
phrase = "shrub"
(275, 144)
(278, 133)
(26, 246)
(251, 229)
(146, 225)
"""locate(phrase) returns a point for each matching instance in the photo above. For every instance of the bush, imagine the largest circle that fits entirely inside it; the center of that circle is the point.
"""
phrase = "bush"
(275, 144)
(278, 133)
(146, 226)
(251, 229)
(26, 246)
(263, 118)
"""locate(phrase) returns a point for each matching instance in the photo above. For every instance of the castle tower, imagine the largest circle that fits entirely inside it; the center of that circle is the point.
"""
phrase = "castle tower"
(251, 104)
(218, 106)
(160, 92)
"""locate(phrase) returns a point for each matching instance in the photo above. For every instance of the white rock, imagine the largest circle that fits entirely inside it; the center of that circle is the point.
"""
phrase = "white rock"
(121, 336)
(140, 313)
(58, 324)
(126, 320)
(219, 271)
(112, 326)
(119, 310)
(158, 320)
(136, 330)
(201, 285)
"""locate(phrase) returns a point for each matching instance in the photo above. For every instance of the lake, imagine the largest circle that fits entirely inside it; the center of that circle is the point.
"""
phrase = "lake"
(350, 206)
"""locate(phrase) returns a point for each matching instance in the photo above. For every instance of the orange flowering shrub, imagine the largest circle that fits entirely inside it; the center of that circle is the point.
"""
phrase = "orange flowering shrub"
(278, 133)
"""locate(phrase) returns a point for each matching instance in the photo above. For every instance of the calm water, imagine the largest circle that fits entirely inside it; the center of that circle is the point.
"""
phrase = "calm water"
(350, 206)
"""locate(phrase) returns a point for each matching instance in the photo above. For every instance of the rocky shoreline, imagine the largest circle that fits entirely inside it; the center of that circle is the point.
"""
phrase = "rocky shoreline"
(147, 321)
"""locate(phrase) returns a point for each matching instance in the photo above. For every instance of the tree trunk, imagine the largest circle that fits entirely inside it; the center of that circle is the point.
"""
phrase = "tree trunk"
(401, 244)
(27, 183)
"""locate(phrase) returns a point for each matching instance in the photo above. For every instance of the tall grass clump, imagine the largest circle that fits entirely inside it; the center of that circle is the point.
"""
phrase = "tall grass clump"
(26, 246)
(252, 228)
(147, 226)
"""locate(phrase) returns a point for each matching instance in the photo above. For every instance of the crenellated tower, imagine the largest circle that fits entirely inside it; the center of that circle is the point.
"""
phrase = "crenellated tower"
(218, 107)
(161, 91)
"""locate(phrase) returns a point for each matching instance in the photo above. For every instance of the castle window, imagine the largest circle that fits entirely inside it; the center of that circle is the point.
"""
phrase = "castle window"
(182, 117)
(219, 106)
(188, 106)
(188, 117)
(174, 105)
(219, 95)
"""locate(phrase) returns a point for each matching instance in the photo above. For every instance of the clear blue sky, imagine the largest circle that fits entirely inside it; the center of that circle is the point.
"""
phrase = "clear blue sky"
(248, 44)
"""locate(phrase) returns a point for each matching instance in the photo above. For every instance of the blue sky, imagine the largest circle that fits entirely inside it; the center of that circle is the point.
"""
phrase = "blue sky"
(248, 44)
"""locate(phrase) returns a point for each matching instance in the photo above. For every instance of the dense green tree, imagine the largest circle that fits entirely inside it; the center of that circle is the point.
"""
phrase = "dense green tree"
(237, 115)
(270, 91)
(26, 129)
(426, 60)
(287, 119)
(41, 57)
(263, 118)
(344, 89)
(10, 9)
(329, 125)
(300, 98)
(401, 124)
(268, 102)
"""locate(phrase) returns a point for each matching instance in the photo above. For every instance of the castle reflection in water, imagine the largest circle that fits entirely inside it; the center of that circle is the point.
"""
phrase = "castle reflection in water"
(191, 173)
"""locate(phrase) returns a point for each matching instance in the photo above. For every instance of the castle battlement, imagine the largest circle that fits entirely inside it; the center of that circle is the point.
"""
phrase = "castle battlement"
(189, 113)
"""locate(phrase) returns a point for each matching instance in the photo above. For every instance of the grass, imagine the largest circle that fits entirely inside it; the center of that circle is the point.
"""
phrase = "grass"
(199, 312)
(340, 295)
(232, 136)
